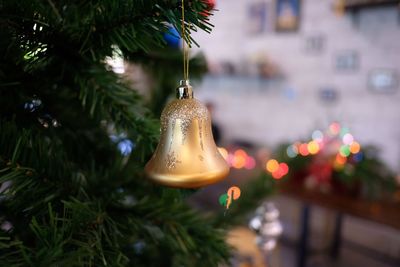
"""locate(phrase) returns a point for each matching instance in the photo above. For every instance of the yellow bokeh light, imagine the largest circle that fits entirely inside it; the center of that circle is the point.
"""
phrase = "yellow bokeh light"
(313, 147)
(272, 165)
(355, 147)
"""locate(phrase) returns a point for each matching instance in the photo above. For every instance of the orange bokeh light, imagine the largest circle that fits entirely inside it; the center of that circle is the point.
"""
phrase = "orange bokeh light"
(240, 153)
(238, 161)
(340, 159)
(355, 147)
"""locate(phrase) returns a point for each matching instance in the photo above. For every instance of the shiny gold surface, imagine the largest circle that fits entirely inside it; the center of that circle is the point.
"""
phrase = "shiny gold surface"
(186, 156)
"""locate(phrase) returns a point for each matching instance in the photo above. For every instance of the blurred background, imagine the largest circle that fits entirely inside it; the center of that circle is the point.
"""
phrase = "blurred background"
(280, 69)
(303, 93)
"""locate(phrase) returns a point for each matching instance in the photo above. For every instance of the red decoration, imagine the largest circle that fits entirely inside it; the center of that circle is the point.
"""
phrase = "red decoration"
(322, 171)
(210, 6)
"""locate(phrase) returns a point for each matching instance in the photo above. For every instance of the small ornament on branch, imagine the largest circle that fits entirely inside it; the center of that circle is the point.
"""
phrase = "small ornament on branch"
(267, 226)
(233, 193)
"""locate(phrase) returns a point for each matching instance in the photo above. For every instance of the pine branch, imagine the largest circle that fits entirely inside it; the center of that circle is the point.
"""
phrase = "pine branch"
(107, 97)
(71, 199)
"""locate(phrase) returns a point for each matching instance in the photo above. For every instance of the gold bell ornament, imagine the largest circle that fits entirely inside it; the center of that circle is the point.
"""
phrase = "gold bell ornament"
(186, 156)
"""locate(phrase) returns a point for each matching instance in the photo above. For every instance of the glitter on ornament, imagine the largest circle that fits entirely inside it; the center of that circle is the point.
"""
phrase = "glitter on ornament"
(171, 161)
(186, 113)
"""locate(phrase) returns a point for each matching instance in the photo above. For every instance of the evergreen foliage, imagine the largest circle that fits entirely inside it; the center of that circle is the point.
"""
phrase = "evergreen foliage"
(68, 196)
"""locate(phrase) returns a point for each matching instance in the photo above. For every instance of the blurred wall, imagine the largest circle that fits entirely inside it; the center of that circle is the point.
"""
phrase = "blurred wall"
(291, 108)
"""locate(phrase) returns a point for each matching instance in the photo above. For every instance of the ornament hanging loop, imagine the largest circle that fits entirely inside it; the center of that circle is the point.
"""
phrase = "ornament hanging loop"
(184, 91)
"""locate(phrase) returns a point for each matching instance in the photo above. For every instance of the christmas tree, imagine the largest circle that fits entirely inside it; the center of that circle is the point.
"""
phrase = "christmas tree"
(74, 138)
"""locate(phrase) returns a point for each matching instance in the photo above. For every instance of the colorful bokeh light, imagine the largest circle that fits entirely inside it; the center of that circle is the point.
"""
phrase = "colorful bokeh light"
(334, 128)
(348, 139)
(283, 168)
(277, 170)
(313, 147)
(277, 175)
(292, 151)
(240, 153)
(340, 159)
(344, 150)
(355, 147)
(358, 157)
(250, 163)
(239, 159)
(272, 165)
(303, 149)
(317, 135)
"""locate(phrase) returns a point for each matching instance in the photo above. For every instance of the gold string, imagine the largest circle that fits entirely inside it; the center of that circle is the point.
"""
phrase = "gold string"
(187, 60)
(185, 50)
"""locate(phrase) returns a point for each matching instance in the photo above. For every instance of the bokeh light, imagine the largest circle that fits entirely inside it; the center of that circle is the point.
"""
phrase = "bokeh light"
(292, 151)
(339, 162)
(303, 149)
(317, 135)
(277, 174)
(340, 159)
(230, 159)
(240, 153)
(344, 150)
(272, 165)
(348, 139)
(278, 170)
(250, 163)
(334, 128)
(358, 157)
(313, 147)
(283, 168)
(126, 146)
(355, 147)
(239, 159)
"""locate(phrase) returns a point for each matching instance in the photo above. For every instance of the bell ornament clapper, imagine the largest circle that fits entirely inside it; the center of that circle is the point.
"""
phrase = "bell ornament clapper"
(186, 156)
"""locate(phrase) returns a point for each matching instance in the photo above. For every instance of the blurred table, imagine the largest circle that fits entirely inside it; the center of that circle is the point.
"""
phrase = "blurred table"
(387, 213)
(244, 242)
